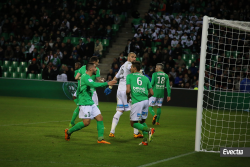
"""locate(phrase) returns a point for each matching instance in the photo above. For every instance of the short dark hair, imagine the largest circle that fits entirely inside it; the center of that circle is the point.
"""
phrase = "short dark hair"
(89, 65)
(160, 65)
(137, 65)
(93, 59)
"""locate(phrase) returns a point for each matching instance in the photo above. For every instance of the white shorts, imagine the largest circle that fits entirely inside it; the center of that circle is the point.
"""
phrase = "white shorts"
(88, 112)
(95, 98)
(122, 104)
(155, 101)
(139, 111)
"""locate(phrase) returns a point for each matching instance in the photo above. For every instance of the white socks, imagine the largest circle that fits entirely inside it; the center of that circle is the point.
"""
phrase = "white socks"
(115, 121)
(136, 131)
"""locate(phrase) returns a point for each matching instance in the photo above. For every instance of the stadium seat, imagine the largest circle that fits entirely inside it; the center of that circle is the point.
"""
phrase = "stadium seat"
(31, 76)
(75, 40)
(105, 42)
(228, 54)
(6, 74)
(19, 69)
(157, 44)
(23, 75)
(65, 39)
(188, 62)
(25, 69)
(15, 75)
(23, 64)
(10, 69)
(152, 44)
(6, 63)
(136, 21)
(192, 57)
(15, 64)
(185, 57)
(39, 76)
(154, 49)
(115, 27)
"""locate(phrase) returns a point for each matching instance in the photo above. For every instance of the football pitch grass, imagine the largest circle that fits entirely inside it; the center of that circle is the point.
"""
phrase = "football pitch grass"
(32, 134)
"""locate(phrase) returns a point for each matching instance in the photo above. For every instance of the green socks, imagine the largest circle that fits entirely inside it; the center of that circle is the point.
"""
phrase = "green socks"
(151, 110)
(75, 114)
(141, 127)
(158, 114)
(77, 127)
(100, 129)
(145, 133)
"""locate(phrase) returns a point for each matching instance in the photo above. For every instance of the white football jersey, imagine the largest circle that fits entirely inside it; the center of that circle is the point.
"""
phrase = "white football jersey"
(122, 74)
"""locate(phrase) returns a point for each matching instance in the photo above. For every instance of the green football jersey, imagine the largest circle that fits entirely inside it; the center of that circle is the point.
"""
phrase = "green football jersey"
(158, 82)
(85, 94)
(139, 85)
(82, 71)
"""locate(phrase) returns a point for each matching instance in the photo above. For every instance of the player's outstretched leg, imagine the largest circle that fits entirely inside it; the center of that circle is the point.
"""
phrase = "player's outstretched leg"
(114, 123)
(144, 129)
(77, 127)
(75, 114)
(158, 116)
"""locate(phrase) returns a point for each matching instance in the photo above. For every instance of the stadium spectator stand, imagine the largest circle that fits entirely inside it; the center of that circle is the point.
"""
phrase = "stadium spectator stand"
(52, 33)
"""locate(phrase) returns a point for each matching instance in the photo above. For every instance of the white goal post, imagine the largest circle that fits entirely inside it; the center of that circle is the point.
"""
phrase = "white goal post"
(223, 118)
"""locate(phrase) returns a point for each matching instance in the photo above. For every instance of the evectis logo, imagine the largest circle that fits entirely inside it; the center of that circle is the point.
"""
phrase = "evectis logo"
(235, 152)
(232, 152)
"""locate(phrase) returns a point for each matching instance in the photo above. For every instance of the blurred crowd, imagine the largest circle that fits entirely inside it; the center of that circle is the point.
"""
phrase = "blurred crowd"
(171, 32)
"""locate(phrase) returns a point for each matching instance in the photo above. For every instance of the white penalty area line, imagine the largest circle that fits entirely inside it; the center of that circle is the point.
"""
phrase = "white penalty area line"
(52, 162)
(34, 123)
(167, 159)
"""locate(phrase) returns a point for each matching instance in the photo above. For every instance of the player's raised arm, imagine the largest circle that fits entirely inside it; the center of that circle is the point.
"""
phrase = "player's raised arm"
(168, 88)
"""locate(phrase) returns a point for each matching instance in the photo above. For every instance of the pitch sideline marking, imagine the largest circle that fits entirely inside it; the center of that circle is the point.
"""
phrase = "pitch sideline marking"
(52, 162)
(33, 123)
(167, 159)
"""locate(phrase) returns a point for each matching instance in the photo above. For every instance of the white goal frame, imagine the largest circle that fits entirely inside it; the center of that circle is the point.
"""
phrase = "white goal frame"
(206, 21)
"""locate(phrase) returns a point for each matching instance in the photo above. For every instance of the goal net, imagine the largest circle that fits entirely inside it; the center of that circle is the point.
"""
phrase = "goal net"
(223, 117)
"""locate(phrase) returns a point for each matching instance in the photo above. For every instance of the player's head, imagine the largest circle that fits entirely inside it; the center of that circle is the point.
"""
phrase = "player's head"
(95, 60)
(131, 57)
(77, 65)
(136, 66)
(91, 67)
(159, 67)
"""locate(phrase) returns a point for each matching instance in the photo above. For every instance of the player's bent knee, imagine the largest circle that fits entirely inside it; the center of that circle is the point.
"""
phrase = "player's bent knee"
(86, 122)
(99, 117)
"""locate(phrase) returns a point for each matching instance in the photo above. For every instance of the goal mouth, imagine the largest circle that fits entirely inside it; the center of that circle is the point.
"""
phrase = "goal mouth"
(223, 104)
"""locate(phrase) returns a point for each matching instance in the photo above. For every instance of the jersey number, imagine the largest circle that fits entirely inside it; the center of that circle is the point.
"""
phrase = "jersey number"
(161, 80)
(139, 82)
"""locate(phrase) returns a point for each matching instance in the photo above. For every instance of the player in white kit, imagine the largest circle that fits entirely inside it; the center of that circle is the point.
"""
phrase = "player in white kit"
(122, 104)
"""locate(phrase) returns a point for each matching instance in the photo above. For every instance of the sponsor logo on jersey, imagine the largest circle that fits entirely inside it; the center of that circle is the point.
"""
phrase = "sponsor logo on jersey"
(160, 86)
(138, 90)
(90, 80)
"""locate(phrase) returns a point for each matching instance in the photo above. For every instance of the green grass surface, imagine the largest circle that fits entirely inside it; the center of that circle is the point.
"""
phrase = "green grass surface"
(32, 134)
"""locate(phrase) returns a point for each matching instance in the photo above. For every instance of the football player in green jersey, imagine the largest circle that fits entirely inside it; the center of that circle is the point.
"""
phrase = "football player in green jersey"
(94, 77)
(140, 88)
(88, 109)
(158, 82)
